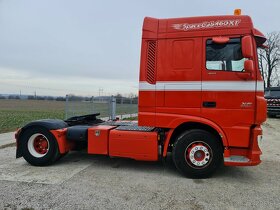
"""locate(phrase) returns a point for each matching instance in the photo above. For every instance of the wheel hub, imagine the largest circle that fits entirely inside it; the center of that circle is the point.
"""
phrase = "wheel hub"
(38, 145)
(41, 145)
(198, 154)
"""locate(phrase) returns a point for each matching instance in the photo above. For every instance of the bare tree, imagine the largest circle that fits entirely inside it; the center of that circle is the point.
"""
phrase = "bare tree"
(269, 60)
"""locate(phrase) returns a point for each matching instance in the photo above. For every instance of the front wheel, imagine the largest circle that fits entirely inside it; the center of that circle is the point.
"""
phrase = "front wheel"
(39, 146)
(197, 153)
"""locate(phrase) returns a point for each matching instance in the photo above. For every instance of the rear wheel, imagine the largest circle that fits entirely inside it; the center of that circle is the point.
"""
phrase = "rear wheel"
(39, 146)
(197, 153)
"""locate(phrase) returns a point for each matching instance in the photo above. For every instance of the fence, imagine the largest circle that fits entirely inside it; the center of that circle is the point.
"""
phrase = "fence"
(108, 106)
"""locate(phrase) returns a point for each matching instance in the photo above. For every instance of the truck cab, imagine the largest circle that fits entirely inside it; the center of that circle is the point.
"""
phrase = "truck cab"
(204, 71)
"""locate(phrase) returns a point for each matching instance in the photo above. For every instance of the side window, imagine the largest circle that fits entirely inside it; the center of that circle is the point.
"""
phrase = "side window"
(224, 57)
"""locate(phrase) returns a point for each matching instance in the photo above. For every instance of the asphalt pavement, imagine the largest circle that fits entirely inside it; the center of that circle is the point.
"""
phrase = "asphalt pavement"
(7, 139)
(81, 181)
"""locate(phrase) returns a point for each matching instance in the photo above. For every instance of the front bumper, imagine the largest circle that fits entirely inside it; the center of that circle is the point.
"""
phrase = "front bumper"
(273, 111)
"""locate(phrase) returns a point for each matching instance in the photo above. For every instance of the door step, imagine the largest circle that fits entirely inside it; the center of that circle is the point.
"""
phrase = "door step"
(236, 159)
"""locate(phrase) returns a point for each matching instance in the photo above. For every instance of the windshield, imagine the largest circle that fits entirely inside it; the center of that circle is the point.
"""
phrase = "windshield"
(272, 93)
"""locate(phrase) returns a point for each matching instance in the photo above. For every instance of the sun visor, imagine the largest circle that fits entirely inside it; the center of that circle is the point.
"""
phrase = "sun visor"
(259, 36)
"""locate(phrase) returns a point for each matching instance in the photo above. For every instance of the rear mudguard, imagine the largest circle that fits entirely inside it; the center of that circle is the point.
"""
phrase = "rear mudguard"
(50, 124)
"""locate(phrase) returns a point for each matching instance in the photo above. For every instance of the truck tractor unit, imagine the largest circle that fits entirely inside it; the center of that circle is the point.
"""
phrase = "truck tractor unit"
(201, 100)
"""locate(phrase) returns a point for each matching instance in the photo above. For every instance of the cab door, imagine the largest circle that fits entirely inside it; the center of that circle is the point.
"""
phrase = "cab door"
(228, 95)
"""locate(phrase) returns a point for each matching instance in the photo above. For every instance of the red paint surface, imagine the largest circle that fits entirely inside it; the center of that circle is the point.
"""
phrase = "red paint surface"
(134, 144)
(98, 139)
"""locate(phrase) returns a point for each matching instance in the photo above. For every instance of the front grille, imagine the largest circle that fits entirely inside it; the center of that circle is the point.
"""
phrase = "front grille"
(273, 102)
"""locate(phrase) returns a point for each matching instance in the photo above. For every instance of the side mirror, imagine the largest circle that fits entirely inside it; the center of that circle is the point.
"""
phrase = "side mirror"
(247, 47)
(248, 70)
(249, 66)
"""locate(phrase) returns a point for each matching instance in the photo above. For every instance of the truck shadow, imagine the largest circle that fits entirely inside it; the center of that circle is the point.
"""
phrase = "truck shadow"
(165, 167)
(120, 164)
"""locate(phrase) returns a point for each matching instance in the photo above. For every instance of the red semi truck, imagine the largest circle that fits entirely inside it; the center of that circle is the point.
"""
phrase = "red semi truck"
(201, 98)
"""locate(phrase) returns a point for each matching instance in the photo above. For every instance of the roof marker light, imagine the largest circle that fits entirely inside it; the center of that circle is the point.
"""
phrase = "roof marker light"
(237, 12)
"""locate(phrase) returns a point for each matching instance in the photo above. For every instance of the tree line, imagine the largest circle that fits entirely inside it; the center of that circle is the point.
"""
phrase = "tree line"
(269, 60)
(32, 97)
(120, 99)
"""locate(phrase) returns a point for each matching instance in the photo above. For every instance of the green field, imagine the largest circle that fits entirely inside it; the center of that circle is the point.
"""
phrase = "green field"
(16, 113)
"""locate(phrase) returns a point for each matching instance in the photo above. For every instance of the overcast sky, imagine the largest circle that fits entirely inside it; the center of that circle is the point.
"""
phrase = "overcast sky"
(55, 47)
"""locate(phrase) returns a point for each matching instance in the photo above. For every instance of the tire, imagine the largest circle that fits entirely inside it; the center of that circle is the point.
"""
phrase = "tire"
(39, 146)
(197, 153)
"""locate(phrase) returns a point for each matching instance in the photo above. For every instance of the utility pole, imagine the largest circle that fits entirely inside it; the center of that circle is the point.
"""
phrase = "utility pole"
(100, 90)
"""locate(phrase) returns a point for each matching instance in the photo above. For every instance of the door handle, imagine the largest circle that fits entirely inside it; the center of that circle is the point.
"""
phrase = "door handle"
(209, 104)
